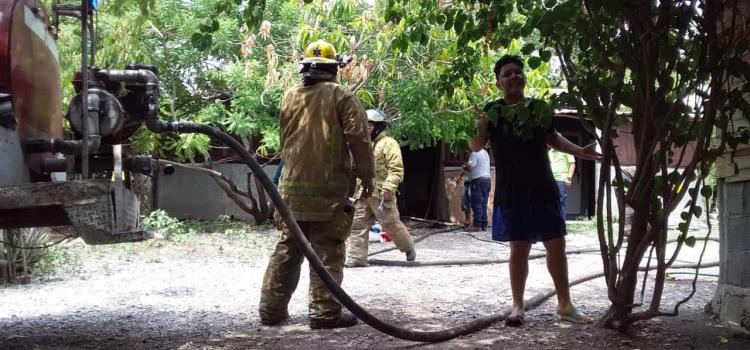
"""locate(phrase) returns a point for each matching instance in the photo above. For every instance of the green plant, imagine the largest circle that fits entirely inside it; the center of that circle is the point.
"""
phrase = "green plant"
(159, 221)
(57, 259)
(17, 253)
(587, 227)
(221, 224)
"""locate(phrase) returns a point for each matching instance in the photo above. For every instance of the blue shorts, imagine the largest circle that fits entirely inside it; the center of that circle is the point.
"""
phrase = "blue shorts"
(531, 222)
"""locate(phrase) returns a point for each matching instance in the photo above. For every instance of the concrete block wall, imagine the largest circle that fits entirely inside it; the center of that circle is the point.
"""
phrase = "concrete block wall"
(732, 298)
(191, 195)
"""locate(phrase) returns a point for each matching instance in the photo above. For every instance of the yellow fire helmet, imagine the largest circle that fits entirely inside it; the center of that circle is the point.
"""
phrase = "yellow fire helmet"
(320, 52)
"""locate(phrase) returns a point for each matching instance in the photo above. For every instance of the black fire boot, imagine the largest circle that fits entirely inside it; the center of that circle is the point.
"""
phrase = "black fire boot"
(411, 255)
(273, 320)
(345, 320)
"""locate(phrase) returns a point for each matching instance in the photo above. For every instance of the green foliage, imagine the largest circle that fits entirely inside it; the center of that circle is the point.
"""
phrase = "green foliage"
(523, 117)
(58, 259)
(23, 260)
(228, 62)
(160, 222)
(182, 232)
(415, 100)
(690, 241)
(451, 55)
(221, 224)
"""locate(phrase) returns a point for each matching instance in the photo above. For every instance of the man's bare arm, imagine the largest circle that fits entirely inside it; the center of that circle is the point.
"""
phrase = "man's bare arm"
(478, 142)
(562, 144)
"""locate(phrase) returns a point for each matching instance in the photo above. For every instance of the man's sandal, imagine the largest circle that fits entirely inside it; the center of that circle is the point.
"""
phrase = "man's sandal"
(575, 317)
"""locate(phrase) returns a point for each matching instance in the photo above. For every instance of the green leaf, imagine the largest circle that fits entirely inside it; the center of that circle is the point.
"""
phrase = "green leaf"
(195, 38)
(697, 211)
(508, 113)
(682, 227)
(534, 62)
(366, 96)
(545, 55)
(449, 18)
(527, 29)
(690, 241)
(684, 215)
(414, 35)
(440, 19)
(707, 191)
(527, 49)
(458, 24)
(524, 114)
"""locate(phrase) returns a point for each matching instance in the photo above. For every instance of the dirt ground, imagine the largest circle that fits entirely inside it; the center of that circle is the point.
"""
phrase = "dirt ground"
(202, 293)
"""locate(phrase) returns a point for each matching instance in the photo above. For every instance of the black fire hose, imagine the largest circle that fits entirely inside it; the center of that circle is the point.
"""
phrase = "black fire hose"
(395, 331)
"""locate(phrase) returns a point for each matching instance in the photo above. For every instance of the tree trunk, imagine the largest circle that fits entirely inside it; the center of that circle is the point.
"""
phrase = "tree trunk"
(618, 316)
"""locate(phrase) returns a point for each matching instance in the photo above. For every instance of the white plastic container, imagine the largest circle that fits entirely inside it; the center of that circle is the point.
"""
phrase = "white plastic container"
(375, 232)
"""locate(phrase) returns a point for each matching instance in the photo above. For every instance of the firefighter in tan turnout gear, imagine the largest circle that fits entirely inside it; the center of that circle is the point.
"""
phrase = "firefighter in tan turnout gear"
(325, 144)
(381, 206)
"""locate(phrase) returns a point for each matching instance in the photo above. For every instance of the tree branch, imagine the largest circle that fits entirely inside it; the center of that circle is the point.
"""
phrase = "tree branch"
(227, 185)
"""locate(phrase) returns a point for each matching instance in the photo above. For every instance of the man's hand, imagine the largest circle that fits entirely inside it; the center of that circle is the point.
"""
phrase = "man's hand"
(478, 142)
(368, 186)
(568, 183)
(482, 119)
(589, 152)
(385, 194)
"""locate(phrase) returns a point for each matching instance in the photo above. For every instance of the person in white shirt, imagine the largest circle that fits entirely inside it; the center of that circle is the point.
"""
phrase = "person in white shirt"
(478, 167)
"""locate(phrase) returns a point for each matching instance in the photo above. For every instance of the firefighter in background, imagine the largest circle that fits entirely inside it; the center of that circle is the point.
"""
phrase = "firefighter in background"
(381, 206)
(325, 143)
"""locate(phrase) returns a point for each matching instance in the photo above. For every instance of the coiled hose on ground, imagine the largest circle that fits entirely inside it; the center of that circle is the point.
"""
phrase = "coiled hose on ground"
(315, 263)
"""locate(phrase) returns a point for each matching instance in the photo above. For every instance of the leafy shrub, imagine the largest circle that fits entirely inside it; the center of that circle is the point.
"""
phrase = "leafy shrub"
(160, 222)
(58, 258)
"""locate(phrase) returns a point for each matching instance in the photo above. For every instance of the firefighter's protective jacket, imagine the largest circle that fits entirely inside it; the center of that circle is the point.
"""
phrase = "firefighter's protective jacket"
(325, 147)
(389, 166)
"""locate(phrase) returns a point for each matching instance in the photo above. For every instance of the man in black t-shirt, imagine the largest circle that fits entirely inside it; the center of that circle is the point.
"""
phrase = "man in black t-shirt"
(526, 208)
